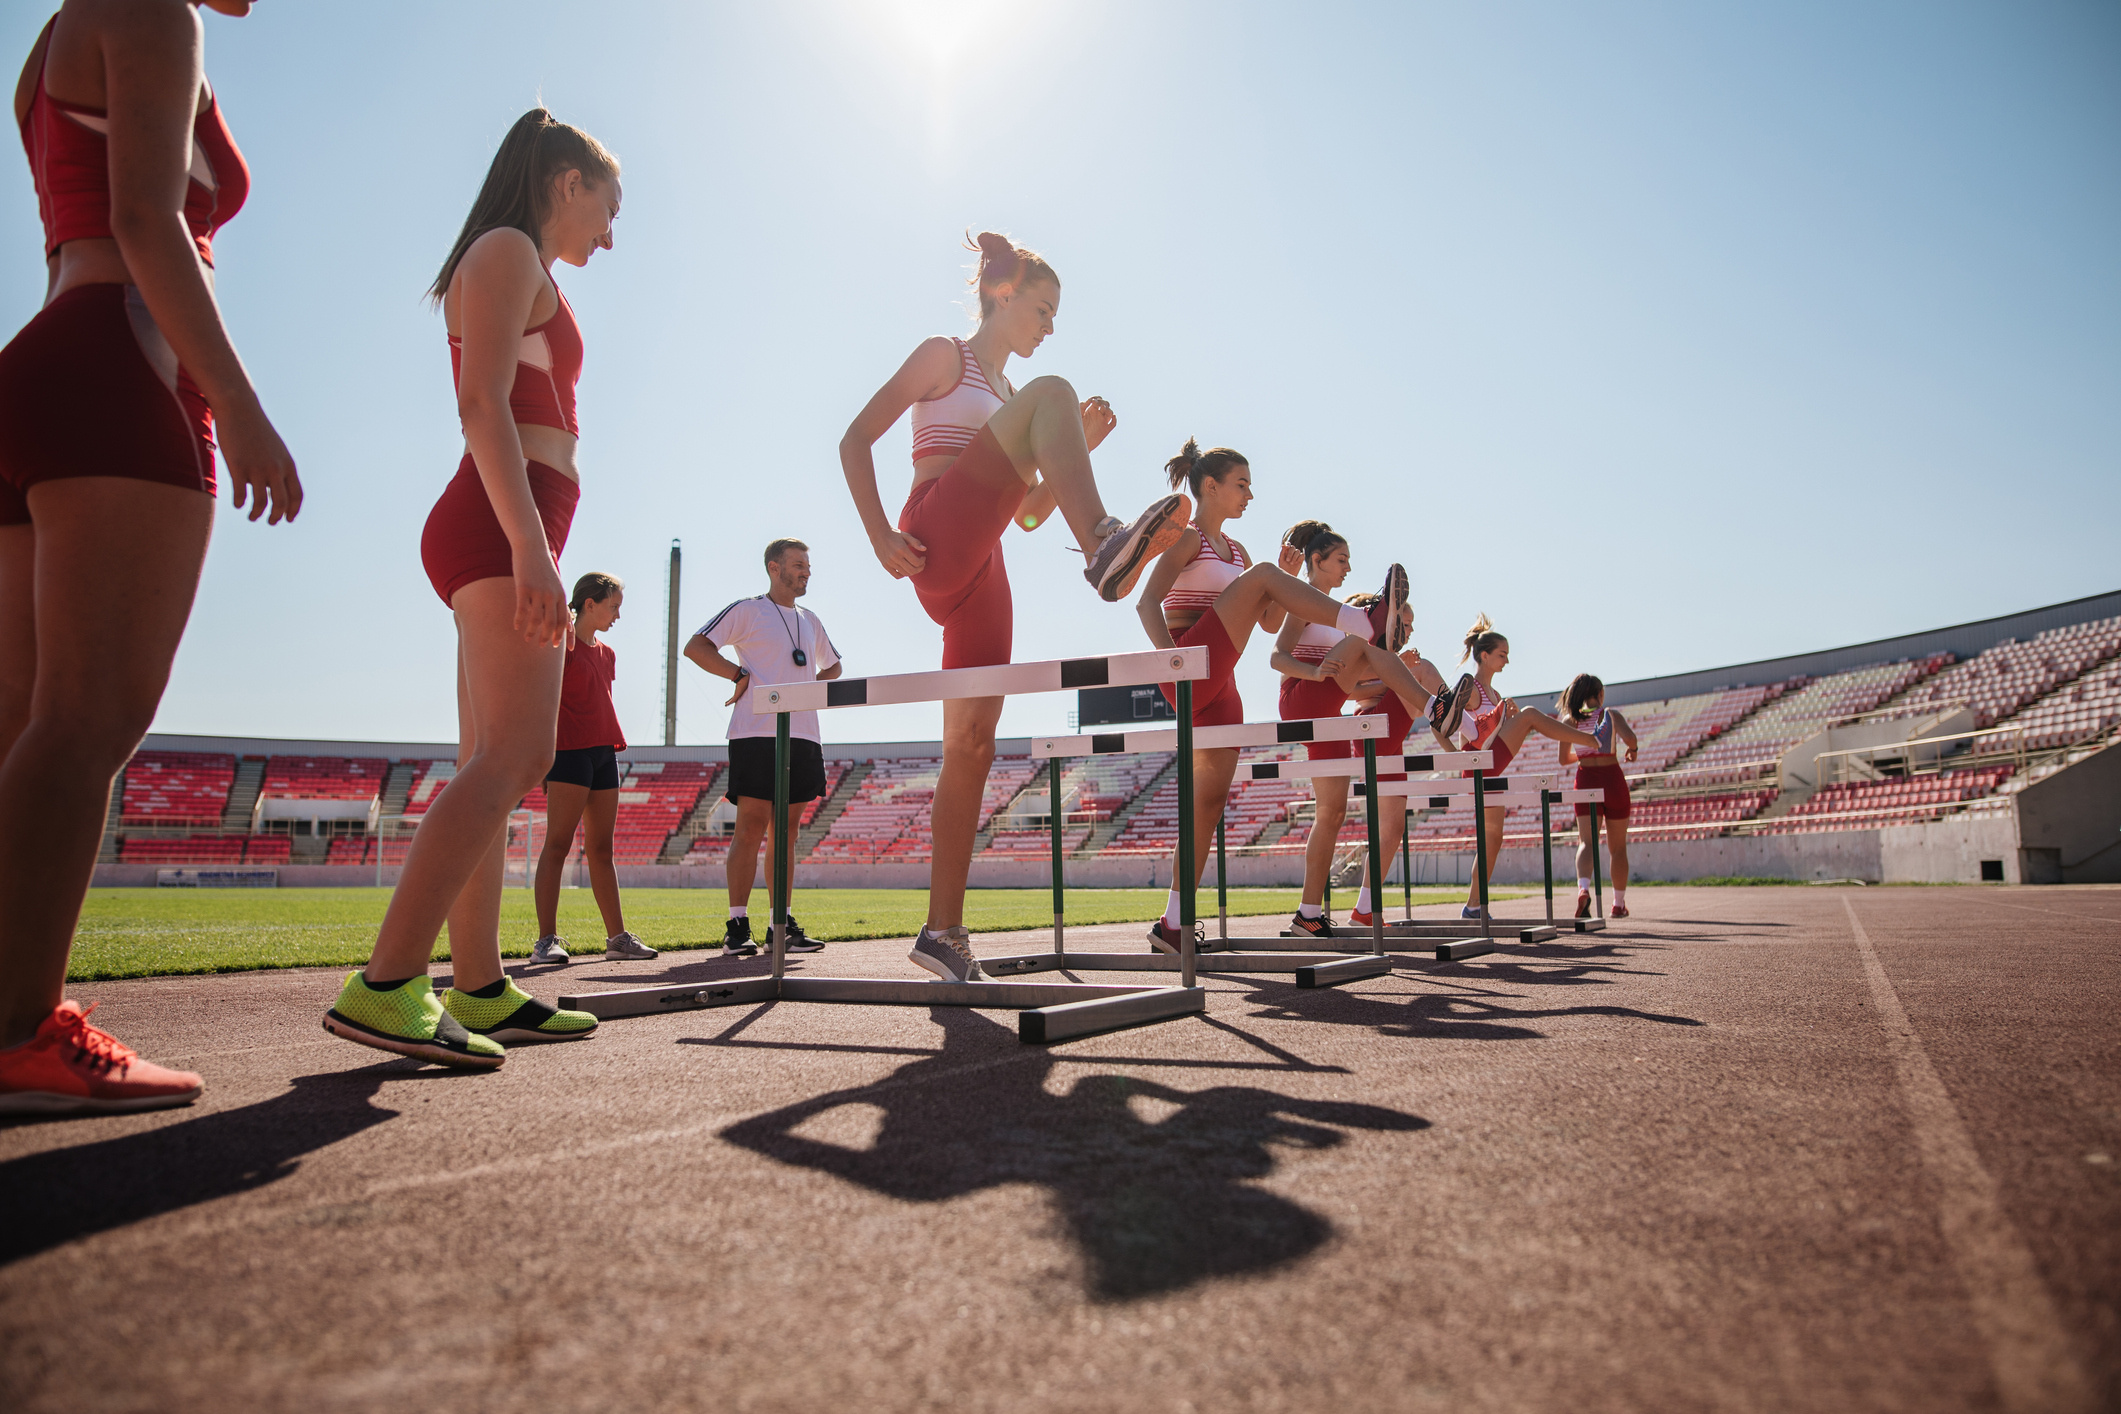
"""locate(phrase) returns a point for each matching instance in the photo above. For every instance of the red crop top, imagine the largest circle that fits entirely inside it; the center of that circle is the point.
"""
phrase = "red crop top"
(69, 159)
(548, 365)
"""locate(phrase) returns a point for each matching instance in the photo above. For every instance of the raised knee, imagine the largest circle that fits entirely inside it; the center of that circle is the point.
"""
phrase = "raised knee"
(1051, 386)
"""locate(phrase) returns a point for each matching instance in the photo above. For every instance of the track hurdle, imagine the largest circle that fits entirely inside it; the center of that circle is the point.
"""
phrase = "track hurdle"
(1482, 792)
(1048, 1011)
(1311, 967)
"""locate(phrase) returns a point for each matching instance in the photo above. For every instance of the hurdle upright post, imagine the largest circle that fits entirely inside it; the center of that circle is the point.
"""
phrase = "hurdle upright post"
(1406, 871)
(1222, 886)
(1191, 881)
(1370, 811)
(1597, 879)
(779, 891)
(1480, 847)
(1060, 886)
(1546, 845)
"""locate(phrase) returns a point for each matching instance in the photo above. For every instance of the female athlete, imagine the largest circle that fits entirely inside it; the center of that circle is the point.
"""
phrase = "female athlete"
(491, 548)
(1600, 769)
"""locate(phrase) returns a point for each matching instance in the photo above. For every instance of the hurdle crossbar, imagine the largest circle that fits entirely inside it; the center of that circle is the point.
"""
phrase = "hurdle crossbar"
(1001, 680)
(1437, 761)
(1369, 726)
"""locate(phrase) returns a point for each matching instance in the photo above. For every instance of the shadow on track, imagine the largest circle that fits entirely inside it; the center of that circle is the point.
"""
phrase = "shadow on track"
(1155, 1198)
(1471, 1014)
(63, 1194)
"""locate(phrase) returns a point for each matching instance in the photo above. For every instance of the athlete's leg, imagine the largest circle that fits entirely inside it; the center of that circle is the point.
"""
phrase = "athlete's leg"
(961, 785)
(1212, 772)
(1583, 847)
(1041, 429)
(563, 813)
(1358, 658)
(1249, 595)
(1616, 834)
(18, 630)
(1495, 814)
(600, 821)
(1331, 792)
(1391, 829)
(754, 819)
(509, 709)
(116, 564)
(1530, 719)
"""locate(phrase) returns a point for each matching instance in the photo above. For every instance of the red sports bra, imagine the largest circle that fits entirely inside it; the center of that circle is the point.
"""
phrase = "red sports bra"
(69, 159)
(548, 365)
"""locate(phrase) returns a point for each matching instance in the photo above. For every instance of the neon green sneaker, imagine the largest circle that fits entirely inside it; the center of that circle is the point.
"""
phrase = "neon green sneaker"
(410, 1020)
(514, 1015)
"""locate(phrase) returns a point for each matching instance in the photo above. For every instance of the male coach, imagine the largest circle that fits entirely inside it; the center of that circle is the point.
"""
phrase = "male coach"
(775, 642)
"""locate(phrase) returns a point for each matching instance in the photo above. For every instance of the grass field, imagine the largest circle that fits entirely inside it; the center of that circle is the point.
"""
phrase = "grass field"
(159, 932)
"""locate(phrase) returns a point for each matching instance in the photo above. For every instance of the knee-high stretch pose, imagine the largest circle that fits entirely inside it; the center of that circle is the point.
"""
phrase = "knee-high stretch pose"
(491, 548)
(986, 453)
(1205, 592)
(1496, 723)
(582, 785)
(1600, 769)
(1307, 691)
(109, 402)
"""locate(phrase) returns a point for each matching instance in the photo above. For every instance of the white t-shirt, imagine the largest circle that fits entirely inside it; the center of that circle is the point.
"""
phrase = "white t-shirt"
(765, 637)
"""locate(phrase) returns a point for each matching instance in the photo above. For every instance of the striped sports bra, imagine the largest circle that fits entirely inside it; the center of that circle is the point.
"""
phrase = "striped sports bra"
(1316, 642)
(548, 365)
(1600, 726)
(945, 426)
(1206, 576)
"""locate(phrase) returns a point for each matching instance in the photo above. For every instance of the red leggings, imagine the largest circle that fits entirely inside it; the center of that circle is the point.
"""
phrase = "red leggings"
(91, 388)
(960, 517)
(1303, 699)
(1215, 699)
(463, 540)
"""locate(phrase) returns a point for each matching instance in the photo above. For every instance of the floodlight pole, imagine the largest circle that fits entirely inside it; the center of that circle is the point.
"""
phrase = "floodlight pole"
(670, 652)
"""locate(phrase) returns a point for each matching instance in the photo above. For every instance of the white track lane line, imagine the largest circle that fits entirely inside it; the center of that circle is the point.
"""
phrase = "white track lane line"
(2036, 1370)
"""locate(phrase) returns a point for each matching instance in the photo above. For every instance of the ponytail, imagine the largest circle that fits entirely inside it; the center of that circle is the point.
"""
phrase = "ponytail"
(1192, 466)
(517, 192)
(1480, 638)
(1002, 262)
(1584, 689)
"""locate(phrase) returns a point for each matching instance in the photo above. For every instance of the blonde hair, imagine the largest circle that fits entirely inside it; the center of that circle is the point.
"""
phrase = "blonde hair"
(1480, 638)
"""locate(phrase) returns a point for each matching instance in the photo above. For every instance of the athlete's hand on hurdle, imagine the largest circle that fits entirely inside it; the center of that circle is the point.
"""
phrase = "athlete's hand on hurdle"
(899, 553)
(260, 467)
(1098, 422)
(542, 615)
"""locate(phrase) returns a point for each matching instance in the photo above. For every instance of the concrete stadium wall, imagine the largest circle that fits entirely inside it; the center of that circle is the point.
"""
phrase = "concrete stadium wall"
(2069, 824)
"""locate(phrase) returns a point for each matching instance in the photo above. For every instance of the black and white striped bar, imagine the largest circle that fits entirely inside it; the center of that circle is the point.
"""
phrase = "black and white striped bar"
(1371, 725)
(1422, 796)
(1050, 1011)
(1001, 680)
(1311, 968)
(1352, 766)
(1525, 782)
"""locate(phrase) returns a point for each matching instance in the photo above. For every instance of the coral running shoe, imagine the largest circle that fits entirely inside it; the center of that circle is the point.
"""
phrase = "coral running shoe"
(1165, 939)
(410, 1020)
(1620, 910)
(1358, 919)
(512, 1015)
(1583, 905)
(1391, 624)
(71, 1067)
(1125, 550)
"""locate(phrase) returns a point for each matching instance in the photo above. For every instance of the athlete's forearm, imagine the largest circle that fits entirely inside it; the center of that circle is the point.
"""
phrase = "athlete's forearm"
(1152, 617)
(702, 652)
(1292, 667)
(497, 452)
(165, 266)
(858, 464)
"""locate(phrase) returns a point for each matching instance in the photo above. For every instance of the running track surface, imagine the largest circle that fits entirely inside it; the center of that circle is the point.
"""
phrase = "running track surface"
(1754, 1149)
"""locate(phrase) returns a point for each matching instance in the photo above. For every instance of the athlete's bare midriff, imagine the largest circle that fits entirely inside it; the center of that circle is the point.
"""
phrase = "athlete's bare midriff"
(548, 445)
(929, 468)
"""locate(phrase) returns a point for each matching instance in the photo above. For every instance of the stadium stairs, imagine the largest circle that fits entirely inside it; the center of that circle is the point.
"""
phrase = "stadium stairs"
(1109, 830)
(243, 795)
(821, 823)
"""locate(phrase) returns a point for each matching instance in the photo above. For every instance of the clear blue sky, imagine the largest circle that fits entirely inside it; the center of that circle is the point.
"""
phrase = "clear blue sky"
(1760, 328)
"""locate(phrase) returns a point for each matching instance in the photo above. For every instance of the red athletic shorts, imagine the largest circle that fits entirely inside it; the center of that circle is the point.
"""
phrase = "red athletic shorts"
(91, 388)
(960, 517)
(1215, 699)
(464, 542)
(1609, 777)
(1303, 700)
(1503, 757)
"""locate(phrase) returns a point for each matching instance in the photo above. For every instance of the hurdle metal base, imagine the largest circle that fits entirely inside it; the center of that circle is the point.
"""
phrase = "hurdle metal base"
(1051, 1011)
(1325, 969)
(1587, 925)
(1425, 928)
(1460, 949)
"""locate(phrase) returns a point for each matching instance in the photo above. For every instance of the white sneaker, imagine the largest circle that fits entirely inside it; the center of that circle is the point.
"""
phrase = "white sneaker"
(627, 948)
(550, 952)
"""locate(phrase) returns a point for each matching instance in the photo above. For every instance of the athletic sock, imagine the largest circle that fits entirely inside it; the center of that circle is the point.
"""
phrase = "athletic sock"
(738, 910)
(386, 986)
(1351, 620)
(1309, 910)
(488, 993)
(1171, 911)
(1620, 895)
(1362, 900)
(1583, 886)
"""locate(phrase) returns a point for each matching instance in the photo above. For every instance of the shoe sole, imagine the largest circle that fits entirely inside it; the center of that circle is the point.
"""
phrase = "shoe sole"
(1152, 535)
(1398, 626)
(610, 956)
(516, 1036)
(940, 969)
(750, 950)
(1455, 714)
(354, 1031)
(805, 946)
(553, 961)
(1297, 927)
(49, 1102)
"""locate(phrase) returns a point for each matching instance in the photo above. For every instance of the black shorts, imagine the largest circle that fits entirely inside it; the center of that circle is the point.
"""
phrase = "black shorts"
(751, 769)
(596, 767)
